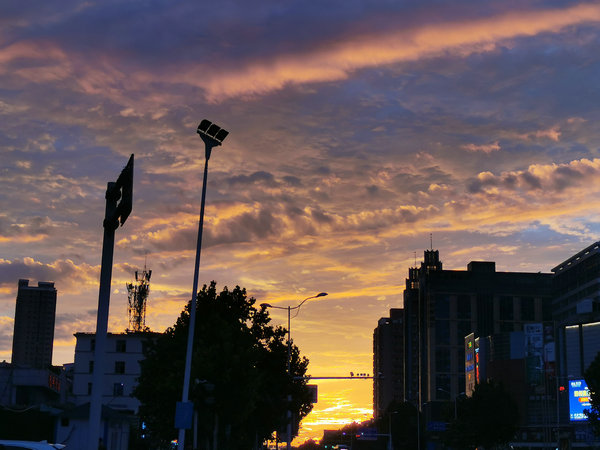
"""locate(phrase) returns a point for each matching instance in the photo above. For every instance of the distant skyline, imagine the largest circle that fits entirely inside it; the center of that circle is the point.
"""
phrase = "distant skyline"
(356, 130)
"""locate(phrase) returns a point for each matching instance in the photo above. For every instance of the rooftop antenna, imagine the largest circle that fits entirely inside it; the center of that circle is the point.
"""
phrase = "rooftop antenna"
(431, 240)
(415, 258)
(137, 294)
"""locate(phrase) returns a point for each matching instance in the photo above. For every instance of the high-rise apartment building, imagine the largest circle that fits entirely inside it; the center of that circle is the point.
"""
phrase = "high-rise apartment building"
(443, 306)
(33, 335)
(388, 361)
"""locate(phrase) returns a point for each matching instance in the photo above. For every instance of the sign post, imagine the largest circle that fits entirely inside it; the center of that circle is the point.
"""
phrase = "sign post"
(116, 212)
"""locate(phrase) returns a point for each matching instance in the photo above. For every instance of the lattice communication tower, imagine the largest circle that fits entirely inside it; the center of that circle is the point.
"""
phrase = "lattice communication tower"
(138, 295)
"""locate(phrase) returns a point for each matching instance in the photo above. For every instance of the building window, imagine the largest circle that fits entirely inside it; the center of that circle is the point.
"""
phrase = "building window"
(121, 346)
(442, 331)
(460, 360)
(463, 328)
(547, 311)
(463, 307)
(92, 345)
(91, 366)
(120, 367)
(527, 309)
(118, 390)
(506, 308)
(442, 359)
(89, 389)
(442, 306)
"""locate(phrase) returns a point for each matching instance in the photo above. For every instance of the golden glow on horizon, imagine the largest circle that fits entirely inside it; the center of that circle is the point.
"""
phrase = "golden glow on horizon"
(340, 402)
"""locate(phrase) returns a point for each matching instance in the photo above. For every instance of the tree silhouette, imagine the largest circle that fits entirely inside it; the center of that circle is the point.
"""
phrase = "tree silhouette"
(488, 418)
(404, 420)
(239, 373)
(309, 445)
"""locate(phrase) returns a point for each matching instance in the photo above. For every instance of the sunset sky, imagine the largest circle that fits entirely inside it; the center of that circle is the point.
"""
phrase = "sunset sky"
(357, 129)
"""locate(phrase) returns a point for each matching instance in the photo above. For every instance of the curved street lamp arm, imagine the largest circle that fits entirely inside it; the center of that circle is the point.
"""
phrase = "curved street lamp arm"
(320, 294)
(297, 307)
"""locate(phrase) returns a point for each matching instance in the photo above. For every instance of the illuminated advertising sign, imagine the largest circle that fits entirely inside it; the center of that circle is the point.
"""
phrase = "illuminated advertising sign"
(579, 399)
(477, 365)
(469, 363)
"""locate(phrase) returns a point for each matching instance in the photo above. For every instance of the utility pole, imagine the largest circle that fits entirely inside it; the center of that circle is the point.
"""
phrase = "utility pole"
(115, 212)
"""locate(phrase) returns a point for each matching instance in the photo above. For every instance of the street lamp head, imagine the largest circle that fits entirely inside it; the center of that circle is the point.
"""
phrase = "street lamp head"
(266, 305)
(211, 133)
(321, 294)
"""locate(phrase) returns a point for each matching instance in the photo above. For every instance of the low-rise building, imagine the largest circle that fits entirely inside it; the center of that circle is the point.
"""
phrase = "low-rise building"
(26, 386)
(124, 351)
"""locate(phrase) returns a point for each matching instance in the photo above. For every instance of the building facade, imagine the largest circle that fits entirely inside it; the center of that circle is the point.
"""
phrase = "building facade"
(25, 386)
(576, 308)
(388, 361)
(33, 335)
(523, 363)
(442, 307)
(124, 351)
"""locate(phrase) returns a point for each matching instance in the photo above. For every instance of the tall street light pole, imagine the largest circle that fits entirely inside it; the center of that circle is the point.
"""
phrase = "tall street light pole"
(213, 136)
(289, 358)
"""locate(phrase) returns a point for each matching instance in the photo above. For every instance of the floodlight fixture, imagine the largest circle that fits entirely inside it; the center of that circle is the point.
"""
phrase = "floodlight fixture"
(204, 126)
(212, 134)
(221, 135)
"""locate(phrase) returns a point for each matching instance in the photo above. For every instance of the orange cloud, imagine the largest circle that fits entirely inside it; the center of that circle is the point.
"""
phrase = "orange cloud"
(335, 61)
(552, 133)
(485, 148)
(33, 238)
(31, 50)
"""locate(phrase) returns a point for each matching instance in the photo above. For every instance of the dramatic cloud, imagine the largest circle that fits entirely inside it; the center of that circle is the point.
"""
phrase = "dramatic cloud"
(36, 229)
(65, 273)
(336, 60)
(552, 178)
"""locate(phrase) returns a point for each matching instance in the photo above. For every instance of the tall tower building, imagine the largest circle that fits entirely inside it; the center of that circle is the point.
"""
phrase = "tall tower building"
(34, 325)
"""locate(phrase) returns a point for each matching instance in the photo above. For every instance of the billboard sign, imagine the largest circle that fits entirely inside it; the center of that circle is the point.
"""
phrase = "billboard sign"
(470, 363)
(579, 399)
(534, 352)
